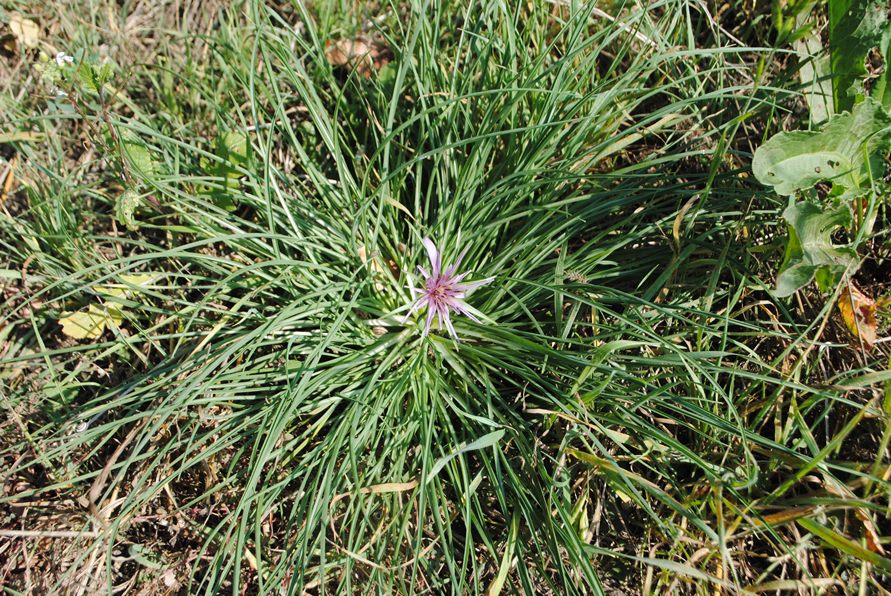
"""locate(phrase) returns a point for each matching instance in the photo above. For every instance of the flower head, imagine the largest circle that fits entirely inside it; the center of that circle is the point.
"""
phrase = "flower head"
(443, 291)
(62, 58)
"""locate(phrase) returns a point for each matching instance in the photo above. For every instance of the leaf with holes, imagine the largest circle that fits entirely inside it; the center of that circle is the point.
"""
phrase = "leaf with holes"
(125, 209)
(810, 251)
(844, 152)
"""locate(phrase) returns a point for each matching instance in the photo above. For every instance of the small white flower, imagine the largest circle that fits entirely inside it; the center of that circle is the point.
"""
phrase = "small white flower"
(62, 58)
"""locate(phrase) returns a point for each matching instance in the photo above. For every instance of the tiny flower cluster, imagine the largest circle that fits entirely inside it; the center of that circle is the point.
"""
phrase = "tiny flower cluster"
(62, 59)
(443, 291)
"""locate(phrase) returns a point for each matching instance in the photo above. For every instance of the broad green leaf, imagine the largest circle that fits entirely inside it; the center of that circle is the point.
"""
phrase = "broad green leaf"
(234, 147)
(139, 157)
(92, 76)
(788, 21)
(50, 72)
(62, 392)
(113, 315)
(810, 248)
(111, 292)
(793, 161)
(855, 27)
(87, 75)
(104, 72)
(137, 279)
(83, 324)
(89, 323)
(814, 68)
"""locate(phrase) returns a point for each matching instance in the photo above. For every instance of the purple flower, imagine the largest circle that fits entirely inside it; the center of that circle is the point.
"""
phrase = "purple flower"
(443, 291)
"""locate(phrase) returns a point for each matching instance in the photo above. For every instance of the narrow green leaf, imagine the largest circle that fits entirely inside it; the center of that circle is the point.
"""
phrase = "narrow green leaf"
(498, 583)
(844, 544)
(487, 440)
(25, 136)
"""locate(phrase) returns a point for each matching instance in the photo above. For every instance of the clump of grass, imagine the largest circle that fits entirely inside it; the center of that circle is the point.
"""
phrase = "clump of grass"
(636, 411)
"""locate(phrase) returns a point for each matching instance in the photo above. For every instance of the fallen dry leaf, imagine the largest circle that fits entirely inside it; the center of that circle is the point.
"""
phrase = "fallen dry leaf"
(346, 51)
(375, 261)
(859, 314)
(360, 53)
(873, 541)
(25, 31)
(7, 182)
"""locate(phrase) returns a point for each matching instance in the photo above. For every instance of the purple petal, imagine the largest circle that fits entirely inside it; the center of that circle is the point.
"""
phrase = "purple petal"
(472, 284)
(430, 313)
(424, 272)
(433, 254)
(417, 304)
(448, 322)
(450, 270)
(461, 307)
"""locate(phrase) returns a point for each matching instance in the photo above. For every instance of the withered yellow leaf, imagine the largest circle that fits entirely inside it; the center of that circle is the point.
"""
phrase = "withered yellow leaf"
(90, 323)
(125, 289)
(138, 279)
(84, 324)
(859, 314)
